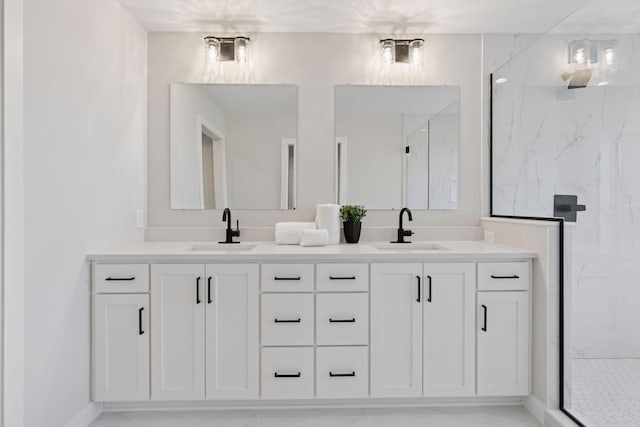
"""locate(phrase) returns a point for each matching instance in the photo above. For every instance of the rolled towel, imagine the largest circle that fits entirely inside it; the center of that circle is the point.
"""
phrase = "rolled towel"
(290, 233)
(314, 237)
(288, 237)
(328, 218)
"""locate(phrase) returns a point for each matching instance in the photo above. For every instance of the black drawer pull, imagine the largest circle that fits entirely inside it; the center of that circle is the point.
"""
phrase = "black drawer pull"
(298, 320)
(342, 277)
(119, 279)
(484, 328)
(429, 297)
(296, 375)
(419, 299)
(140, 330)
(287, 278)
(342, 320)
(198, 290)
(209, 300)
(515, 276)
(348, 374)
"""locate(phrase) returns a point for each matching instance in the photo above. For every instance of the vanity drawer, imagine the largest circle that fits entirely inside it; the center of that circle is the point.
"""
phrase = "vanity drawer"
(287, 373)
(503, 276)
(120, 278)
(342, 372)
(287, 277)
(287, 319)
(342, 319)
(342, 277)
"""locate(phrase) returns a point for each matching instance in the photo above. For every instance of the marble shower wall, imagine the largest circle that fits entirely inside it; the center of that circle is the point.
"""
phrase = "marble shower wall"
(551, 140)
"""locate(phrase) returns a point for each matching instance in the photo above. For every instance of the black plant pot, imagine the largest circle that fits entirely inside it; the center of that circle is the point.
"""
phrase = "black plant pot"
(352, 231)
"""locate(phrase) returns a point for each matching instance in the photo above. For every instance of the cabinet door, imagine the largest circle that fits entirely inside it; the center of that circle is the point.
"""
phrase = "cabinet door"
(396, 330)
(177, 329)
(503, 343)
(121, 347)
(449, 333)
(232, 326)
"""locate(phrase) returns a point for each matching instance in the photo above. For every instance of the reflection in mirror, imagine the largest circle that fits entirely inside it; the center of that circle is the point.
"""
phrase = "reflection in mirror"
(233, 146)
(397, 146)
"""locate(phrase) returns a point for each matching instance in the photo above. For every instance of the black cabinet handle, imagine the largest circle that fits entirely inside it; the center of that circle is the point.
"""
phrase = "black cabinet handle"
(209, 300)
(198, 291)
(119, 279)
(484, 307)
(296, 375)
(287, 320)
(140, 331)
(342, 320)
(419, 299)
(347, 374)
(342, 277)
(429, 297)
(514, 276)
(286, 278)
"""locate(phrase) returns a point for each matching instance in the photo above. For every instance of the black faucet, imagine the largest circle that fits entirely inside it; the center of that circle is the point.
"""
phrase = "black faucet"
(402, 233)
(226, 216)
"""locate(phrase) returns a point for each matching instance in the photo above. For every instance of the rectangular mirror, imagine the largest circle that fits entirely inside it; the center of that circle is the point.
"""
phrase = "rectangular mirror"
(233, 146)
(397, 146)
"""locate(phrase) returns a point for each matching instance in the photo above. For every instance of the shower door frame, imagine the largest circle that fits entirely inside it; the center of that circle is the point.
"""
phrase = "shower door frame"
(561, 261)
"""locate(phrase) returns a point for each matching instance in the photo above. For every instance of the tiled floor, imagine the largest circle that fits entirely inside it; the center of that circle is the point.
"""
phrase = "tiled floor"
(606, 392)
(505, 416)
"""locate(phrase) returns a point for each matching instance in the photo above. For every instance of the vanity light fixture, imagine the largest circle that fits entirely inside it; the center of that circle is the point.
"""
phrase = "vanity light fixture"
(609, 53)
(403, 51)
(227, 49)
(583, 52)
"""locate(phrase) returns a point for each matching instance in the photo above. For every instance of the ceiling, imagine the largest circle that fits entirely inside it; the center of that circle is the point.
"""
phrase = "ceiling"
(354, 16)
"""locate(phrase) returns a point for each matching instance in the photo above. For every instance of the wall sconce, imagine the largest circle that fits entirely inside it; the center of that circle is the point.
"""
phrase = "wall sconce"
(583, 52)
(227, 49)
(403, 51)
(610, 53)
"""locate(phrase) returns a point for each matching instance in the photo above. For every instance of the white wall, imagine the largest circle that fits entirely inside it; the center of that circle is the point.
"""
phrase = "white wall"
(316, 63)
(13, 220)
(84, 178)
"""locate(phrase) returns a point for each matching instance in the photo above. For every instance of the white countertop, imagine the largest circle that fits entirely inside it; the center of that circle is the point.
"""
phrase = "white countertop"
(268, 251)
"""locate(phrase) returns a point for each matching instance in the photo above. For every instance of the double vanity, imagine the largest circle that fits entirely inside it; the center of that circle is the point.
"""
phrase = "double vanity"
(260, 322)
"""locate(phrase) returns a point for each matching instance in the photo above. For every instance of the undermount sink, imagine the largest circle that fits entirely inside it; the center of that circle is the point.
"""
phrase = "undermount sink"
(221, 247)
(405, 247)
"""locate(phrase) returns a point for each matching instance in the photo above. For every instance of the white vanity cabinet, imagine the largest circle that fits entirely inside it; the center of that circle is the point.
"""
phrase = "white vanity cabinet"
(396, 330)
(449, 329)
(345, 325)
(204, 327)
(503, 329)
(177, 332)
(120, 332)
(121, 346)
(422, 330)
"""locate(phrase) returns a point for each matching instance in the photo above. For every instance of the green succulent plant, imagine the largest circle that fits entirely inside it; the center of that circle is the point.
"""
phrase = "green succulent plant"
(352, 213)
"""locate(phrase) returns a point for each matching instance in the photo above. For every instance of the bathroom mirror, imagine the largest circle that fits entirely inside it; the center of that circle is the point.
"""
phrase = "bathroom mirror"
(233, 146)
(397, 146)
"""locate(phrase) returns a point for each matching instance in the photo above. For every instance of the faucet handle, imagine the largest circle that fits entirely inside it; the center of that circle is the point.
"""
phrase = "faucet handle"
(237, 230)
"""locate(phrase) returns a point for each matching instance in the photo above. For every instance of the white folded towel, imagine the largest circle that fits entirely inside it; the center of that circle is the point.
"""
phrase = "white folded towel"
(328, 218)
(290, 233)
(314, 237)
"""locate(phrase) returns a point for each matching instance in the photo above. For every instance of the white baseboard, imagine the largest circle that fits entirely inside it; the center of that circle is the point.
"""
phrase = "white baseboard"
(308, 404)
(86, 416)
(557, 418)
(535, 408)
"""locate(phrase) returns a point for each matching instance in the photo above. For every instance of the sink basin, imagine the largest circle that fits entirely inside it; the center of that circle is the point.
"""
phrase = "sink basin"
(218, 247)
(409, 247)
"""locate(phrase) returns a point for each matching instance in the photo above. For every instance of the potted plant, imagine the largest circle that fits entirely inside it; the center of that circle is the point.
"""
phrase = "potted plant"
(351, 216)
